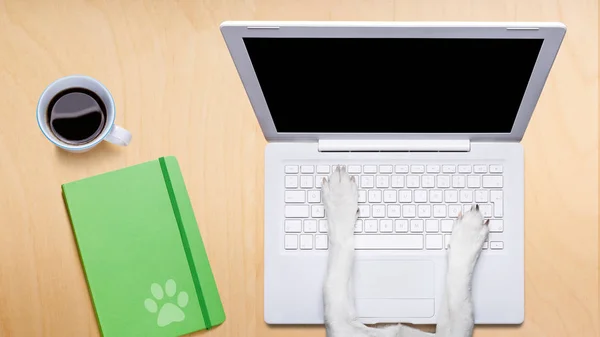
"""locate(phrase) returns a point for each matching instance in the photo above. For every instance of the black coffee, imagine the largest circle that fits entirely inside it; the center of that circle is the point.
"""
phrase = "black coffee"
(76, 115)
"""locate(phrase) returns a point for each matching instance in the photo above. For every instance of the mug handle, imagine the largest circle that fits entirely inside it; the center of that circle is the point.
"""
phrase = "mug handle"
(118, 136)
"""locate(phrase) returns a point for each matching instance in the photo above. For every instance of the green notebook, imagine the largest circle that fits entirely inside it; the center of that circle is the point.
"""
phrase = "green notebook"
(145, 263)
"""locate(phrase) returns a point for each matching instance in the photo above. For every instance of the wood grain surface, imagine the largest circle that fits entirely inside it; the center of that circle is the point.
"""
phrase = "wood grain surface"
(177, 91)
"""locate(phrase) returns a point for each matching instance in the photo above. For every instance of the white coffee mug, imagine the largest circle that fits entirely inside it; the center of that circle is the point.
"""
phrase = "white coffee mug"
(111, 132)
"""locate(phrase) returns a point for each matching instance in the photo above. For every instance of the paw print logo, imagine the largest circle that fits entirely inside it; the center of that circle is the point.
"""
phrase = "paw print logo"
(170, 311)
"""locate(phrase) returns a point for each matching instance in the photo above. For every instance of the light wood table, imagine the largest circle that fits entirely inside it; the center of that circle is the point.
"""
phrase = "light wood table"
(177, 91)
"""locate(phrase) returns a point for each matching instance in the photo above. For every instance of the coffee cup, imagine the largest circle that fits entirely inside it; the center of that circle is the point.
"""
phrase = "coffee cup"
(76, 113)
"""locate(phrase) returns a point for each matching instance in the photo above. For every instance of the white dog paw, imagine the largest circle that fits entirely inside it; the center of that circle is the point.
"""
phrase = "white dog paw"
(468, 234)
(340, 197)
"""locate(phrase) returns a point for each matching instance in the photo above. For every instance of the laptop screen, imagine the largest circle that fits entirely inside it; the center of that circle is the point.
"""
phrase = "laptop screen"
(393, 85)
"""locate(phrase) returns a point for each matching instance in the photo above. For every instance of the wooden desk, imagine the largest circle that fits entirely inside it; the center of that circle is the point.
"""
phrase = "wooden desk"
(177, 91)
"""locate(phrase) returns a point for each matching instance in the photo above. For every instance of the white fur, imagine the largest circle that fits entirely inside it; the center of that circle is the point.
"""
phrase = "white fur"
(340, 197)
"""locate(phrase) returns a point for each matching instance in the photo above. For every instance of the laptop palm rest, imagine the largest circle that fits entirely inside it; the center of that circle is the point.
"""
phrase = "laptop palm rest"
(395, 289)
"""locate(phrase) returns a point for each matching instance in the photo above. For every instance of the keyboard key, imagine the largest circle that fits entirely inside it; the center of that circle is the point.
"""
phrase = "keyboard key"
(496, 245)
(492, 181)
(291, 169)
(362, 196)
(428, 181)
(447, 225)
(405, 196)
(417, 168)
(448, 168)
(318, 211)
(466, 208)
(321, 242)
(393, 211)
(319, 181)
(464, 168)
(466, 196)
(433, 168)
(310, 226)
(374, 196)
(385, 226)
(434, 242)
(314, 196)
(416, 226)
(358, 226)
(453, 210)
(293, 226)
(291, 181)
(486, 210)
(323, 228)
(307, 169)
(431, 226)
(397, 181)
(370, 226)
(366, 182)
(412, 181)
(295, 196)
(364, 211)
(443, 181)
(496, 226)
(451, 196)
(379, 211)
(306, 241)
(296, 211)
(495, 168)
(306, 181)
(385, 169)
(497, 200)
(473, 181)
(383, 181)
(436, 196)
(479, 168)
(420, 196)
(370, 169)
(481, 196)
(424, 211)
(291, 242)
(401, 168)
(408, 211)
(354, 169)
(389, 196)
(364, 242)
(458, 181)
(439, 211)
(322, 168)
(401, 226)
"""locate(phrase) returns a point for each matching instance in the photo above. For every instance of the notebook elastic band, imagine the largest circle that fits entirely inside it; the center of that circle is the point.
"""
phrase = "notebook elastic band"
(186, 244)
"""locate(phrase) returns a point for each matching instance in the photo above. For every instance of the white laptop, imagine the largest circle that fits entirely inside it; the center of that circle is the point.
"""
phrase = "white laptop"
(429, 117)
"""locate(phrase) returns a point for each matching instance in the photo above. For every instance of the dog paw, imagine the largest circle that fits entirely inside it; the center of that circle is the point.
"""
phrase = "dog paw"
(340, 197)
(468, 234)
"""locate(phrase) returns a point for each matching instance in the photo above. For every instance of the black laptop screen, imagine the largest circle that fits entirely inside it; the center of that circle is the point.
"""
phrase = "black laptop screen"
(393, 85)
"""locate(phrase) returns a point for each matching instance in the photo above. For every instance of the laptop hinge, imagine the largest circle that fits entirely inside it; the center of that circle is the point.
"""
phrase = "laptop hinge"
(394, 145)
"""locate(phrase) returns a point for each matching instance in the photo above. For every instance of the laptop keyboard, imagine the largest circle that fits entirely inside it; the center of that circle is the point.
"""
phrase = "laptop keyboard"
(401, 207)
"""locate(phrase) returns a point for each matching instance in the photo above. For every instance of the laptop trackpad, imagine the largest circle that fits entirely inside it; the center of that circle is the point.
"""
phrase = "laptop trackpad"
(395, 288)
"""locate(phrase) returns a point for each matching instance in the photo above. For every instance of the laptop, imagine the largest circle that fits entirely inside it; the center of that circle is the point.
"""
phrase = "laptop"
(428, 116)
